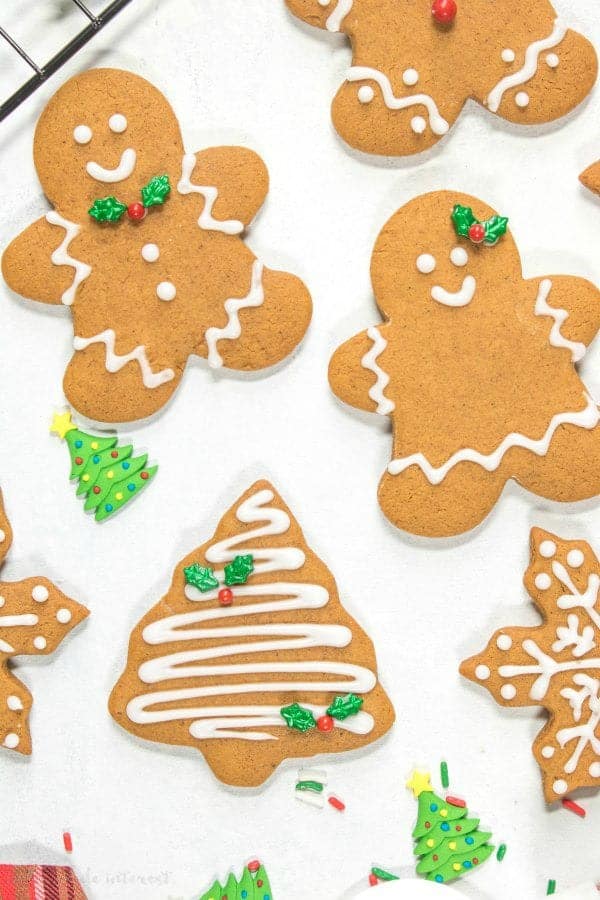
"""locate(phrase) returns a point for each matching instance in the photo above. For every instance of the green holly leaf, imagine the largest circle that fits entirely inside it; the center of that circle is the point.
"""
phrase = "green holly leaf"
(342, 707)
(109, 209)
(156, 191)
(298, 717)
(200, 577)
(494, 229)
(463, 218)
(237, 572)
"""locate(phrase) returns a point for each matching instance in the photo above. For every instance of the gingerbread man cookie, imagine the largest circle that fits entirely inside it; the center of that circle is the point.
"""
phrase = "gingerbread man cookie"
(144, 245)
(555, 665)
(415, 65)
(475, 366)
(35, 616)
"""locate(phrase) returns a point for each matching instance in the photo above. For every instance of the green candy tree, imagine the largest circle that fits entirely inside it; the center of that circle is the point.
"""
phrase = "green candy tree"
(448, 844)
(109, 477)
(253, 885)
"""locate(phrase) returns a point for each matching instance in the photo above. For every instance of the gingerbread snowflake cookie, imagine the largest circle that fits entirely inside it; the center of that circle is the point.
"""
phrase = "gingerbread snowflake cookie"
(591, 178)
(555, 665)
(144, 245)
(250, 657)
(475, 366)
(35, 616)
(415, 65)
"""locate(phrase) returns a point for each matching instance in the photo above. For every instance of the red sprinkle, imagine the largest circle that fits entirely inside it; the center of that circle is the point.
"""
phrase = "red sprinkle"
(254, 865)
(144, 475)
(455, 801)
(574, 807)
(78, 460)
(67, 842)
(373, 880)
(337, 804)
(225, 597)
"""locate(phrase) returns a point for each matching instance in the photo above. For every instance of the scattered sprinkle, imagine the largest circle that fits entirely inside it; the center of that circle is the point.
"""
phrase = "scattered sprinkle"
(337, 804)
(315, 786)
(310, 798)
(67, 842)
(313, 775)
(383, 875)
(574, 807)
(444, 775)
(455, 801)
(501, 852)
(373, 880)
(551, 887)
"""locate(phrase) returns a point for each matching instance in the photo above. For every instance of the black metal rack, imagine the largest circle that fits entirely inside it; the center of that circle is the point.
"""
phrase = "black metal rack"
(42, 73)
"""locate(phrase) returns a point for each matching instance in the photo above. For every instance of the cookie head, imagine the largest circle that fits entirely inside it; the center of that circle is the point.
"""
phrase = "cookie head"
(105, 132)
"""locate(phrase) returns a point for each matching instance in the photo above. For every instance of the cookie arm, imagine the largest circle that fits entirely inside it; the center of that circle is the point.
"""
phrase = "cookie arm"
(232, 182)
(580, 299)
(357, 374)
(330, 16)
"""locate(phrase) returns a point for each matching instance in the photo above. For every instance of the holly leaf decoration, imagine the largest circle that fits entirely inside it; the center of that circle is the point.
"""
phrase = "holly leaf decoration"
(342, 707)
(156, 191)
(109, 209)
(494, 229)
(200, 577)
(237, 572)
(298, 717)
(463, 218)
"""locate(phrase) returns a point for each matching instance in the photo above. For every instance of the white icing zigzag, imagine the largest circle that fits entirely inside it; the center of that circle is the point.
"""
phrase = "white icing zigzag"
(233, 329)
(278, 637)
(210, 194)
(115, 362)
(61, 257)
(364, 73)
(369, 361)
(341, 10)
(560, 316)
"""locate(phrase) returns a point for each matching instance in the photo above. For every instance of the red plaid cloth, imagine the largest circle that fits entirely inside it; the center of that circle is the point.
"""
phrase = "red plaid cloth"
(39, 883)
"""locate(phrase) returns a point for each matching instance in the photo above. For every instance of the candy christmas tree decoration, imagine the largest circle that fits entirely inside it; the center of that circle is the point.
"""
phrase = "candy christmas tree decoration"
(35, 616)
(555, 665)
(415, 65)
(252, 885)
(282, 671)
(109, 476)
(475, 366)
(145, 244)
(591, 178)
(448, 844)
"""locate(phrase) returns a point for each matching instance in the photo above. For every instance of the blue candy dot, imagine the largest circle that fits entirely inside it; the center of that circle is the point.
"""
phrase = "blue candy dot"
(108, 507)
(125, 465)
(96, 459)
(467, 864)
(445, 826)
(439, 878)
(267, 897)
(433, 807)
(469, 840)
(78, 444)
(131, 487)
(244, 894)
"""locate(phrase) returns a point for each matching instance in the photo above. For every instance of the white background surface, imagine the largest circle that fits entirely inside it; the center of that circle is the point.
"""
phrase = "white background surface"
(247, 72)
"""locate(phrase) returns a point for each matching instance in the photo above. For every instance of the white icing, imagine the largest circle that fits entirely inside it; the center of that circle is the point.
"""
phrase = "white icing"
(584, 418)
(63, 616)
(39, 642)
(410, 77)
(40, 593)
(529, 67)
(115, 362)
(2, 601)
(24, 620)
(369, 361)
(117, 123)
(364, 73)
(82, 134)
(552, 60)
(150, 252)
(458, 298)
(547, 549)
(122, 171)
(575, 558)
(508, 691)
(311, 799)
(2, 536)
(548, 752)
(210, 194)
(11, 741)
(226, 721)
(340, 11)
(60, 256)
(504, 642)
(542, 581)
(508, 55)
(560, 786)
(482, 673)
(14, 703)
(365, 93)
(426, 263)
(560, 316)
(418, 124)
(522, 99)
(233, 329)
(166, 290)
(594, 770)
(459, 256)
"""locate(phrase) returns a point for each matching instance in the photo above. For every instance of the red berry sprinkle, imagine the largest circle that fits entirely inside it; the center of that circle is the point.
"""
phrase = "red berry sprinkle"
(136, 211)
(373, 880)
(259, 882)
(114, 454)
(427, 824)
(144, 475)
(78, 460)
(444, 11)
(475, 861)
(325, 723)
(225, 596)
(254, 865)
(477, 233)
(96, 489)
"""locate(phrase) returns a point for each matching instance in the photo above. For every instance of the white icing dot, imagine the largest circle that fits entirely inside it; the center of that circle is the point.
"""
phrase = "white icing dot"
(522, 99)
(508, 55)
(366, 93)
(117, 123)
(40, 593)
(547, 549)
(426, 263)
(150, 252)
(552, 60)
(418, 124)
(39, 642)
(508, 691)
(11, 741)
(324, 2)
(504, 642)
(560, 786)
(63, 616)
(82, 134)
(459, 256)
(482, 673)
(410, 77)
(13, 702)
(548, 752)
(2, 601)
(542, 581)
(166, 290)
(595, 770)
(575, 558)
(2, 536)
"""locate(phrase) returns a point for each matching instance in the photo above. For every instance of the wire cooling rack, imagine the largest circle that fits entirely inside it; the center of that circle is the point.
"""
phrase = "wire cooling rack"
(42, 73)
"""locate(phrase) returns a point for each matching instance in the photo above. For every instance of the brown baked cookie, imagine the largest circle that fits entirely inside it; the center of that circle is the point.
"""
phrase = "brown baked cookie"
(145, 245)
(475, 366)
(256, 660)
(555, 665)
(34, 618)
(591, 178)
(415, 65)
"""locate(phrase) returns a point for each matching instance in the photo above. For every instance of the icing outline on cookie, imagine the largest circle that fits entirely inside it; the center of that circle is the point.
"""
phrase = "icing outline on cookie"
(61, 257)
(233, 329)
(369, 361)
(115, 362)
(458, 298)
(437, 123)
(121, 172)
(210, 194)
(542, 308)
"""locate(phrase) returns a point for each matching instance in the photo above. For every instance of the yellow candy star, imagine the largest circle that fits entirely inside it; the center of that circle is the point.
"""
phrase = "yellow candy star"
(419, 782)
(62, 424)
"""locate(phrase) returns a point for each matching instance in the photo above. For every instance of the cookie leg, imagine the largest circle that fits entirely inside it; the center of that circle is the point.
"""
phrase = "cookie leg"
(570, 471)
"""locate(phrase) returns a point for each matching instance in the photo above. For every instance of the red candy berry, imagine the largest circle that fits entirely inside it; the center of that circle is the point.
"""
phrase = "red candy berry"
(325, 723)
(373, 880)
(477, 233)
(136, 211)
(78, 460)
(225, 597)
(144, 475)
(444, 11)
(259, 882)
(96, 489)
(253, 866)
(114, 454)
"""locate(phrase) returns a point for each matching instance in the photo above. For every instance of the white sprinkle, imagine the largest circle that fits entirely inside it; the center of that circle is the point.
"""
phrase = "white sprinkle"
(40, 593)
(542, 581)
(547, 549)
(311, 799)
(482, 673)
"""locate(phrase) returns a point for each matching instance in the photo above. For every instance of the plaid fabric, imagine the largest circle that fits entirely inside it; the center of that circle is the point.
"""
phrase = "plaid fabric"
(39, 883)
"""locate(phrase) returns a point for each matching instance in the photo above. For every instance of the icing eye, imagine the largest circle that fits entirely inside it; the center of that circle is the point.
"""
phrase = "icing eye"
(426, 263)
(82, 134)
(117, 123)
(459, 256)
(166, 290)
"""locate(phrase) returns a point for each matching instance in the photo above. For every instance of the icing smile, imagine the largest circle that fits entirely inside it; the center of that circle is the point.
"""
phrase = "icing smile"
(460, 298)
(119, 173)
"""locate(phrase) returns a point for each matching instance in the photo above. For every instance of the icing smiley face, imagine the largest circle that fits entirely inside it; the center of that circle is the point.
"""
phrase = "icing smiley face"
(426, 264)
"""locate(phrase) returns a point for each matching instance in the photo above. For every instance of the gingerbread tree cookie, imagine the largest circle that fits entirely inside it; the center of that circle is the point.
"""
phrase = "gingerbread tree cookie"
(255, 661)
(475, 366)
(35, 616)
(591, 178)
(555, 665)
(415, 65)
(144, 245)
